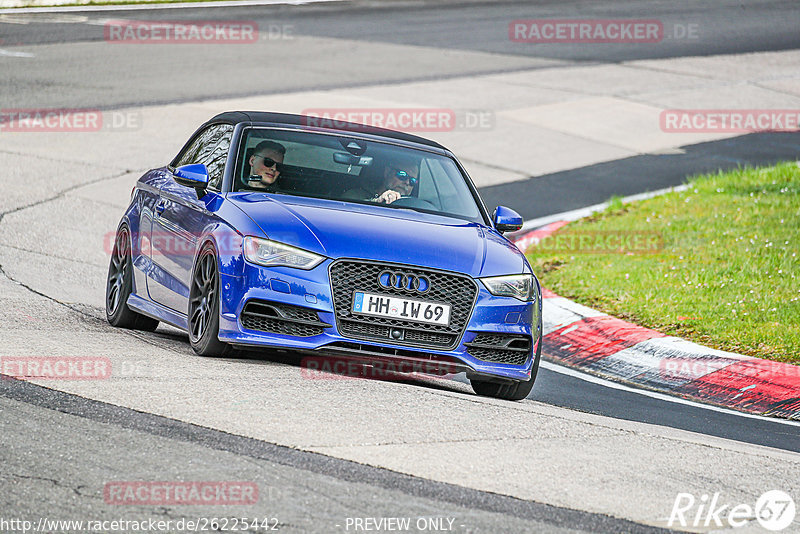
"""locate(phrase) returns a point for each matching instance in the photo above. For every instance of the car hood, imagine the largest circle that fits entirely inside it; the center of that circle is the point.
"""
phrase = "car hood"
(350, 230)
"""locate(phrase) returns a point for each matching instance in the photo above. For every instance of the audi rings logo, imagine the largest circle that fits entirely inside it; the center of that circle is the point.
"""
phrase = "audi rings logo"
(398, 280)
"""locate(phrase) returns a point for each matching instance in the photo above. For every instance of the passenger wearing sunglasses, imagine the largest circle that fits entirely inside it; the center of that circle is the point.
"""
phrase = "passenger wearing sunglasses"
(265, 165)
(398, 180)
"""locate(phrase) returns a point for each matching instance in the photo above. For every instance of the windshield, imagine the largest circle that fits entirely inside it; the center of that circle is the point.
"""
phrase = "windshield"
(352, 170)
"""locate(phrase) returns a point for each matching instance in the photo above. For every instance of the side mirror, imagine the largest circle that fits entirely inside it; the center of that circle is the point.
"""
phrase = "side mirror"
(506, 220)
(194, 176)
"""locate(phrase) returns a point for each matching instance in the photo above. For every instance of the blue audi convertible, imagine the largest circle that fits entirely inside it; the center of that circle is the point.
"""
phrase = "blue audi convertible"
(340, 240)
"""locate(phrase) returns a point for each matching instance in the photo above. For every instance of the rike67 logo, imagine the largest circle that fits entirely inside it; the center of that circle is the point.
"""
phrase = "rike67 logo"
(774, 510)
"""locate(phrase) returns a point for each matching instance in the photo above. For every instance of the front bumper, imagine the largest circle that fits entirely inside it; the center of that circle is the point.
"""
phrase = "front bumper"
(498, 338)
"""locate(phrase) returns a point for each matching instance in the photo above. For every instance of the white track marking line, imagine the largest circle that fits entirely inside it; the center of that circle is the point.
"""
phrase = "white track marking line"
(177, 5)
(10, 53)
(56, 18)
(660, 396)
(574, 215)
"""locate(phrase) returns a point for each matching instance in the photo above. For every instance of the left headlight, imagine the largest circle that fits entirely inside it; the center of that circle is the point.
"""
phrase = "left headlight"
(519, 286)
(273, 254)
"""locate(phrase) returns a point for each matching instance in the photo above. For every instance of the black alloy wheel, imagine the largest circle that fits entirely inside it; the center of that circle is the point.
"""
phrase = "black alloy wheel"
(204, 306)
(119, 286)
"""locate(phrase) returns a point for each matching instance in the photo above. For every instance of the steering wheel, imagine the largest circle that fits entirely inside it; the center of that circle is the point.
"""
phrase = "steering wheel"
(413, 202)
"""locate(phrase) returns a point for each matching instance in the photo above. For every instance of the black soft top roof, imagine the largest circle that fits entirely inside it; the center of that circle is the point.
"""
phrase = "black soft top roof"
(235, 117)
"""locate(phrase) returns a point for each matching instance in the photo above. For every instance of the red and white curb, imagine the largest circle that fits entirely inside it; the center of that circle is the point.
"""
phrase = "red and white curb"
(586, 339)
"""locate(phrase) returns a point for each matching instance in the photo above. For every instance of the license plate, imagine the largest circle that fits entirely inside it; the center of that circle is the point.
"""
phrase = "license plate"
(399, 308)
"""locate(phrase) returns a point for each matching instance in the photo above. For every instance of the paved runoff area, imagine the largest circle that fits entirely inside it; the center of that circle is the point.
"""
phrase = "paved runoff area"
(63, 194)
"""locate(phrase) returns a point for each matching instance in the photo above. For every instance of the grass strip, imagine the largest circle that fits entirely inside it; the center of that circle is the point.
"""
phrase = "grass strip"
(718, 264)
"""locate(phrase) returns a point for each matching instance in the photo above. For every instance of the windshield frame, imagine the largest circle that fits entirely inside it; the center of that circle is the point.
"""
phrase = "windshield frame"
(242, 131)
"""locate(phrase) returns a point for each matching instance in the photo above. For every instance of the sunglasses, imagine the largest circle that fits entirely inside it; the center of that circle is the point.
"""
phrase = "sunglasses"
(403, 175)
(269, 162)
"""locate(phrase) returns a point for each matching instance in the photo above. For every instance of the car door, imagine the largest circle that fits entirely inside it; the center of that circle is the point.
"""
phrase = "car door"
(179, 218)
(147, 191)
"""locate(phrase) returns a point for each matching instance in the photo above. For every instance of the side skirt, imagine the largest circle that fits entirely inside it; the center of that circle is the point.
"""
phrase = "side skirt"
(158, 312)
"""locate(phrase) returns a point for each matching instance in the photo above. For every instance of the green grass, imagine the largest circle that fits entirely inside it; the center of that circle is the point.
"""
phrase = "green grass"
(726, 273)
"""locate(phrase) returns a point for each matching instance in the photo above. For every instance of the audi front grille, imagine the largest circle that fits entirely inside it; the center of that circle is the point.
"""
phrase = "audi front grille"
(349, 276)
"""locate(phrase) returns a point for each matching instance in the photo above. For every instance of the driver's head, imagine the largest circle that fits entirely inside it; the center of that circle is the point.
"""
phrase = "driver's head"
(401, 174)
(266, 162)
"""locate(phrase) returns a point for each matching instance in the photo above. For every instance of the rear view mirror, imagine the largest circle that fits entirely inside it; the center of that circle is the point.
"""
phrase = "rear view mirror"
(345, 158)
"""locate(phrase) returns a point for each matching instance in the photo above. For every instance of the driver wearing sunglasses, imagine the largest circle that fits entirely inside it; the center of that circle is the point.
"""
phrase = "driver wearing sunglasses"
(399, 179)
(265, 165)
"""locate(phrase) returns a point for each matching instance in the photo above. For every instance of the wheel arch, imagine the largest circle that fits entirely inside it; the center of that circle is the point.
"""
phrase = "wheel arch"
(227, 243)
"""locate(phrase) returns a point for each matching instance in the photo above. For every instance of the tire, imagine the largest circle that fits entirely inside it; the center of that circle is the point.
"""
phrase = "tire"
(513, 390)
(203, 317)
(119, 285)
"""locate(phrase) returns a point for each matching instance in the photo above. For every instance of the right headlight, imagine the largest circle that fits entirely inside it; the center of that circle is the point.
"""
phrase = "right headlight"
(273, 254)
(519, 286)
